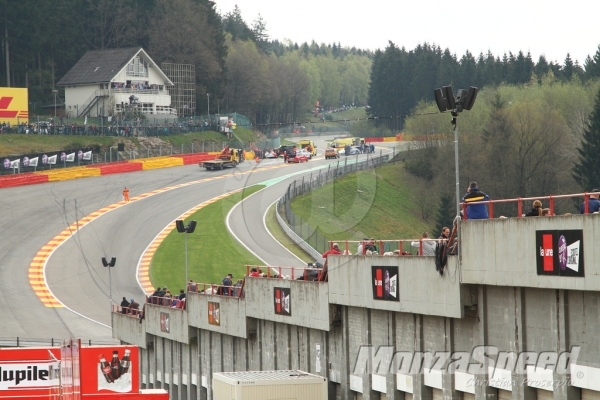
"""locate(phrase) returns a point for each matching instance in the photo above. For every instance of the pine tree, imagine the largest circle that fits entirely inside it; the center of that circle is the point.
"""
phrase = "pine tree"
(586, 169)
(445, 214)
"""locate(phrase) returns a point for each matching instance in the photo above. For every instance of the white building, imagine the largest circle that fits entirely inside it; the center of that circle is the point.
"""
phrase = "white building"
(117, 82)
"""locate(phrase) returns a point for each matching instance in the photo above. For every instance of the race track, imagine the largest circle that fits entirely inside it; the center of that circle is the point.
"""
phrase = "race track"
(33, 215)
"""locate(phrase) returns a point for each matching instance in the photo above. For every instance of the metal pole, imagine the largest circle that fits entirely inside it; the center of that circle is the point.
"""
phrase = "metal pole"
(186, 262)
(110, 286)
(456, 169)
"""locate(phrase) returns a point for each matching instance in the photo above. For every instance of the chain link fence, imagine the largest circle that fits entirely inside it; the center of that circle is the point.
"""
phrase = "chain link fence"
(308, 233)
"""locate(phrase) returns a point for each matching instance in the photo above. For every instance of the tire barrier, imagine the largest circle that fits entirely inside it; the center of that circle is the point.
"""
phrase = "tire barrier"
(118, 167)
(7, 181)
(70, 173)
(159, 162)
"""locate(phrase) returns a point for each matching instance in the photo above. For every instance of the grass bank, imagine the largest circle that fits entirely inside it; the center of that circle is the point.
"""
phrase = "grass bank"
(212, 251)
(379, 203)
(19, 144)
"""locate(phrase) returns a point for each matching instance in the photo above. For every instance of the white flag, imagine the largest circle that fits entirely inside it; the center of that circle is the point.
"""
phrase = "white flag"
(52, 159)
(33, 162)
(71, 157)
(87, 155)
(85, 121)
(15, 163)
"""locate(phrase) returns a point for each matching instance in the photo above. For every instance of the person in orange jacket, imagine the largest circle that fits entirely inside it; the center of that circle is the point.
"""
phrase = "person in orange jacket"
(126, 194)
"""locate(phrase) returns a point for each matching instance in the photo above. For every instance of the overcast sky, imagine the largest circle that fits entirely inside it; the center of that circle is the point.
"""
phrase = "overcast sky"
(550, 27)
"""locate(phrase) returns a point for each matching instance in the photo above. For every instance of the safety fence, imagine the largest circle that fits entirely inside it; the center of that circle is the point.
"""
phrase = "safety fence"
(236, 290)
(129, 311)
(309, 273)
(304, 234)
(579, 202)
(15, 341)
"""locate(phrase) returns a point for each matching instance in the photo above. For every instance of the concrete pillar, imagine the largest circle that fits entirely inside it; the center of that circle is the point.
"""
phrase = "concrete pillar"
(518, 345)
(483, 392)
(448, 389)
(420, 391)
(563, 391)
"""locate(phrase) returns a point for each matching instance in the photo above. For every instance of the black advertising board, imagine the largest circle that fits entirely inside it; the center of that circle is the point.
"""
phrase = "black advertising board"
(385, 283)
(282, 301)
(560, 253)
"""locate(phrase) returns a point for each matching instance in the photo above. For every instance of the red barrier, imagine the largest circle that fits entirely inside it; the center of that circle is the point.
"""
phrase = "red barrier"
(108, 164)
(374, 139)
(119, 168)
(195, 158)
(7, 181)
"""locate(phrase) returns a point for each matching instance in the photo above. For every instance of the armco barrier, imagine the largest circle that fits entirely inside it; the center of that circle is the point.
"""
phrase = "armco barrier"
(7, 181)
(71, 173)
(374, 139)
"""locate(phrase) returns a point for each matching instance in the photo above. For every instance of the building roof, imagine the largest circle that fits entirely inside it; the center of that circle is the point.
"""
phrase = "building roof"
(101, 66)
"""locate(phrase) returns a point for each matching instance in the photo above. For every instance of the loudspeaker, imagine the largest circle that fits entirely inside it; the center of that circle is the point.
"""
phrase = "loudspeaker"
(191, 227)
(104, 263)
(449, 96)
(470, 98)
(121, 147)
(439, 99)
(180, 226)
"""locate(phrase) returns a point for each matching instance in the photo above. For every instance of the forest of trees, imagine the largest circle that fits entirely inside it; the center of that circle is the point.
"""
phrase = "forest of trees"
(238, 64)
(402, 78)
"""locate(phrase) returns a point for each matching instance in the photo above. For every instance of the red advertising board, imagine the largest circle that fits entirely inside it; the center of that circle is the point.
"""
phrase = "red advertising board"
(99, 372)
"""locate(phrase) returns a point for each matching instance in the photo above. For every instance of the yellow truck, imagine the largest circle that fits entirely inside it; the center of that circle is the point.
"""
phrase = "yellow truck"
(342, 142)
(310, 144)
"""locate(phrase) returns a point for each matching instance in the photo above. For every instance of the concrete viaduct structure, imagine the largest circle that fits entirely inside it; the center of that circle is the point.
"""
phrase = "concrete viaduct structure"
(511, 289)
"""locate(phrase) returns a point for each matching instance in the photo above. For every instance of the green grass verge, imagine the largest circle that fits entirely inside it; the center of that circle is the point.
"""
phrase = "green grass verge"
(376, 203)
(212, 251)
(278, 233)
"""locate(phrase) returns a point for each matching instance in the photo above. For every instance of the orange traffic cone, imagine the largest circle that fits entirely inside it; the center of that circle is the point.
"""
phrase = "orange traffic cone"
(257, 159)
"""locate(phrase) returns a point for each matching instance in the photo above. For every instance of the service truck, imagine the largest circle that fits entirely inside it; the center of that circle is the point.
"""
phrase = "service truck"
(227, 158)
(312, 147)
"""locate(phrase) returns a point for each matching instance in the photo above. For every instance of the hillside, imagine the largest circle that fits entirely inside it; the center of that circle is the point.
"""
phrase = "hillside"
(378, 203)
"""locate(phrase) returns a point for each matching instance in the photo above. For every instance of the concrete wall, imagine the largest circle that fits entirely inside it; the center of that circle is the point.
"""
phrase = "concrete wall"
(129, 329)
(177, 322)
(309, 302)
(502, 252)
(232, 312)
(421, 289)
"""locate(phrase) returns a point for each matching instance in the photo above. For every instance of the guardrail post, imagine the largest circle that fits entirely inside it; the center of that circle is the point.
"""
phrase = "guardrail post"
(586, 201)
(551, 205)
(519, 207)
(491, 209)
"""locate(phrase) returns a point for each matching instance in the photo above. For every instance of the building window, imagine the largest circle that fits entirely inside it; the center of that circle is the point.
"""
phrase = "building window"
(137, 67)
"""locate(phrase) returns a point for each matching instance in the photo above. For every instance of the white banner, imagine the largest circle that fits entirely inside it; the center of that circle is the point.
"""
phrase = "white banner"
(52, 159)
(28, 374)
(15, 163)
(71, 157)
(87, 155)
(85, 121)
(33, 162)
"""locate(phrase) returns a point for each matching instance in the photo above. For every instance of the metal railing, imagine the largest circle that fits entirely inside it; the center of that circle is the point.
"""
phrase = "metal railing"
(130, 312)
(303, 229)
(519, 202)
(217, 290)
(277, 272)
(399, 247)
(171, 302)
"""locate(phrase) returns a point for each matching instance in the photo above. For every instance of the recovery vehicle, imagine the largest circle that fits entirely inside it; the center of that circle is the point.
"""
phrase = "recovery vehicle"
(227, 158)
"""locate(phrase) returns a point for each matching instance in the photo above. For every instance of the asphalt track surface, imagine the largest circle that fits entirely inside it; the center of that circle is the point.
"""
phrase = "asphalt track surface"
(33, 215)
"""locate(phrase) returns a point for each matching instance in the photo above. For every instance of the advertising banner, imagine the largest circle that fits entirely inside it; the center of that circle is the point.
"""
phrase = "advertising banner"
(164, 322)
(282, 301)
(385, 283)
(560, 253)
(214, 313)
(14, 105)
(116, 369)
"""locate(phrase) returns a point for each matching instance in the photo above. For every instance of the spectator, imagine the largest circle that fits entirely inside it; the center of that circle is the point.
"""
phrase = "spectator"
(254, 272)
(238, 287)
(362, 245)
(124, 305)
(334, 250)
(134, 307)
(546, 212)
(593, 203)
(181, 294)
(445, 233)
(536, 211)
(227, 283)
(154, 299)
(473, 195)
(192, 287)
(428, 245)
